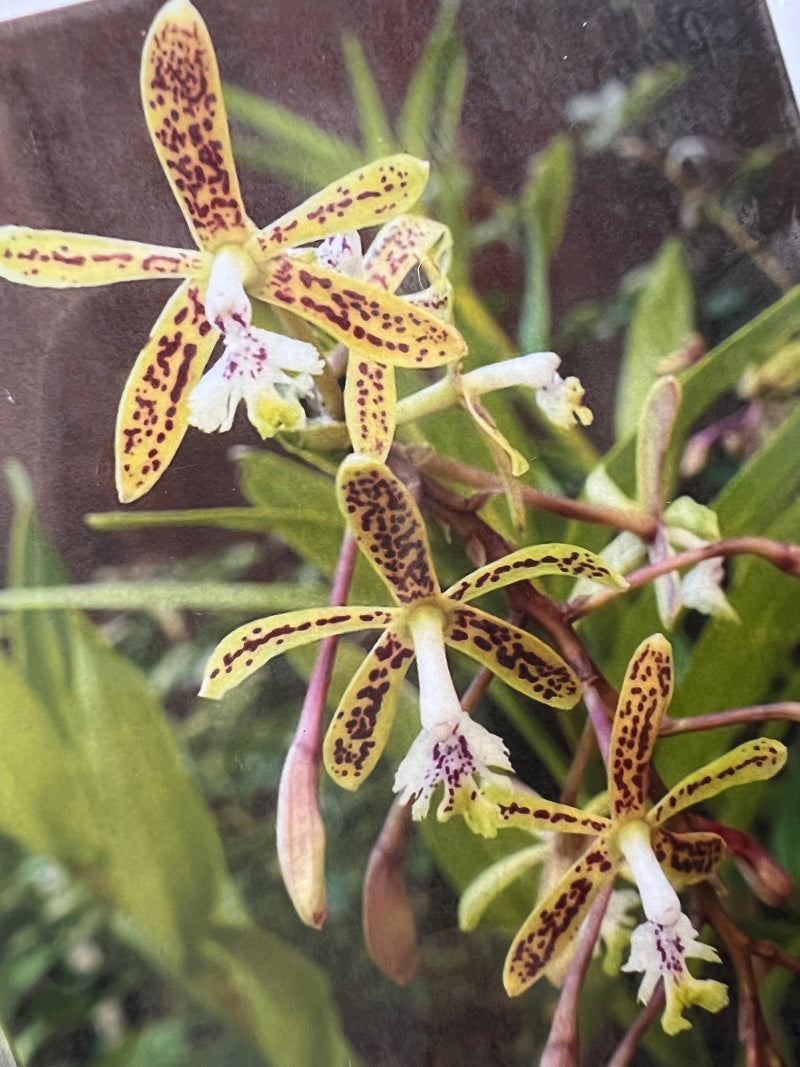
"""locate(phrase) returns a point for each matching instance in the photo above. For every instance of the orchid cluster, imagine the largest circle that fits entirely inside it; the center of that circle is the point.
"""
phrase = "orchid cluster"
(349, 313)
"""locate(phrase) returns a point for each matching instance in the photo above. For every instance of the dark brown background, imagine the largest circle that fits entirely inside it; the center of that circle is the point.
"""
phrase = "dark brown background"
(76, 155)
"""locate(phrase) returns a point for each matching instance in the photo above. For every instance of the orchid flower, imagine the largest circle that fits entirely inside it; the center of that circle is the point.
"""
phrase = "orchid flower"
(235, 262)
(659, 860)
(680, 525)
(406, 243)
(387, 524)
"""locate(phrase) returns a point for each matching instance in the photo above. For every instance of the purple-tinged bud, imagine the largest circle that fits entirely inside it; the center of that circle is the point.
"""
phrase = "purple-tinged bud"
(389, 931)
(765, 876)
(301, 832)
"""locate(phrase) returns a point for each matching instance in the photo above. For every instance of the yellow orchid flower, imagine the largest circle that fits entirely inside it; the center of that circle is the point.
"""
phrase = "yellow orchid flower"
(406, 243)
(657, 858)
(185, 114)
(390, 531)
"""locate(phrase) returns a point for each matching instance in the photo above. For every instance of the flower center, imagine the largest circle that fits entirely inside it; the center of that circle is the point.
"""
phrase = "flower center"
(439, 705)
(659, 899)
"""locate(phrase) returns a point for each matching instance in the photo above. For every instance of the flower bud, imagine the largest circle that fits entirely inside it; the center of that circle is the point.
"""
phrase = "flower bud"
(301, 832)
(389, 932)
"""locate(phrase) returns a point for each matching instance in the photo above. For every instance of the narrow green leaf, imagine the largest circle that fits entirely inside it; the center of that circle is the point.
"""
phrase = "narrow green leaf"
(662, 321)
(547, 195)
(376, 134)
(416, 116)
(305, 514)
(534, 317)
(246, 520)
(159, 596)
(312, 146)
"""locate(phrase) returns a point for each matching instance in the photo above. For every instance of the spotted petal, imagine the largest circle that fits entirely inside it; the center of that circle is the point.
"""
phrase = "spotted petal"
(554, 924)
(370, 407)
(365, 197)
(754, 761)
(400, 246)
(535, 562)
(388, 527)
(153, 413)
(50, 258)
(687, 857)
(644, 696)
(360, 728)
(366, 319)
(536, 815)
(520, 659)
(185, 113)
(251, 646)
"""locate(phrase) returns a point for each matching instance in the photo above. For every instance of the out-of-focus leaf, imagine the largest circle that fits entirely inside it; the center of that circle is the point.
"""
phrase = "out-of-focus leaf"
(175, 596)
(534, 319)
(304, 152)
(765, 486)
(662, 320)
(245, 520)
(648, 88)
(305, 514)
(547, 195)
(416, 115)
(161, 1043)
(102, 788)
(271, 992)
(376, 134)
(717, 372)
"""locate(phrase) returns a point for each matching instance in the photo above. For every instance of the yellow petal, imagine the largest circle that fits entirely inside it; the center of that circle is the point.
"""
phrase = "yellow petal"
(388, 527)
(536, 815)
(537, 561)
(400, 246)
(183, 107)
(687, 857)
(249, 647)
(365, 197)
(360, 728)
(643, 698)
(520, 659)
(57, 260)
(369, 321)
(370, 407)
(153, 412)
(554, 924)
(754, 761)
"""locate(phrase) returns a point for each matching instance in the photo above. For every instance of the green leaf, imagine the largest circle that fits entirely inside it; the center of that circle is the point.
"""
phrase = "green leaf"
(416, 115)
(376, 134)
(301, 151)
(304, 512)
(173, 596)
(662, 320)
(717, 372)
(273, 994)
(546, 198)
(648, 88)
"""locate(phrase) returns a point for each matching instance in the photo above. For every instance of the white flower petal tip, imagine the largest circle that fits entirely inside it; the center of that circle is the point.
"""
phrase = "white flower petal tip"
(661, 952)
(457, 761)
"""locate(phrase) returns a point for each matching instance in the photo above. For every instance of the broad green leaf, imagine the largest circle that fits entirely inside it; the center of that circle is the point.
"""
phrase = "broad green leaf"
(376, 134)
(662, 321)
(272, 993)
(48, 811)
